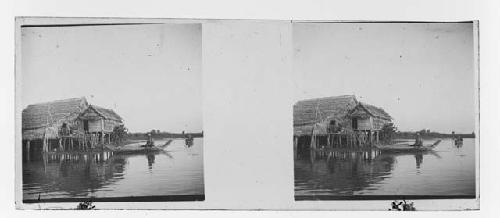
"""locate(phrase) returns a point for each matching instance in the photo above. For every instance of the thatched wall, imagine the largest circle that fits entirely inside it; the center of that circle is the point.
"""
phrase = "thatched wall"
(50, 132)
(369, 117)
(109, 125)
(365, 124)
(100, 119)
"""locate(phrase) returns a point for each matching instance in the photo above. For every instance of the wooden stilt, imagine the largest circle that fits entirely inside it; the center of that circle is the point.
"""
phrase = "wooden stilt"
(371, 138)
(102, 138)
(60, 145)
(44, 144)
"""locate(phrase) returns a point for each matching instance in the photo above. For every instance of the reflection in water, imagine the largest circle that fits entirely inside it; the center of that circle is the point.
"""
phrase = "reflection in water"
(75, 173)
(346, 172)
(419, 158)
(151, 160)
(67, 175)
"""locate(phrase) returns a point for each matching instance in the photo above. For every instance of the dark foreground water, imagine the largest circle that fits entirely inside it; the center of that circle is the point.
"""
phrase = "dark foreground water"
(177, 171)
(448, 170)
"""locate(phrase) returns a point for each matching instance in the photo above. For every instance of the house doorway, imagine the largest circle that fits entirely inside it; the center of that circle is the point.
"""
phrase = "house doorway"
(355, 123)
(86, 125)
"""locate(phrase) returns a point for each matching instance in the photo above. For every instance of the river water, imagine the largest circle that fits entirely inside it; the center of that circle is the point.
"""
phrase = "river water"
(177, 171)
(447, 171)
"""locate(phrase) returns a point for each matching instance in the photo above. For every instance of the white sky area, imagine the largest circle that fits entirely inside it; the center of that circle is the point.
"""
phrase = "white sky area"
(149, 74)
(421, 74)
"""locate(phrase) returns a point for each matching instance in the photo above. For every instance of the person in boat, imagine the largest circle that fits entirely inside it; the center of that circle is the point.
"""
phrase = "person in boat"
(418, 140)
(150, 142)
(189, 140)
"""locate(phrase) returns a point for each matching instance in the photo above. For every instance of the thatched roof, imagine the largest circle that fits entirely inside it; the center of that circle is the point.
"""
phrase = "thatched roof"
(312, 111)
(44, 119)
(376, 111)
(48, 113)
(106, 113)
(319, 111)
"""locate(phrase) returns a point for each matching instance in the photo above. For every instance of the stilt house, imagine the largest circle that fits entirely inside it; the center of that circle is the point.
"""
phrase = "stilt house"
(67, 124)
(337, 121)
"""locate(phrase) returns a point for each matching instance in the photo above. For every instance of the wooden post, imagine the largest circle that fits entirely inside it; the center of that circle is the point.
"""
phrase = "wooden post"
(60, 145)
(371, 138)
(102, 138)
(44, 144)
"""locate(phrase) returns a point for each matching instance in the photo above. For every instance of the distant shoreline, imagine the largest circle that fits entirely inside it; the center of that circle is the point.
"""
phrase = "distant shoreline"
(430, 135)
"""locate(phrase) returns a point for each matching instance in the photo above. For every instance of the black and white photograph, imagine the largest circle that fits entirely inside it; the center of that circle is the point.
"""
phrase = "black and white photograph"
(385, 111)
(110, 111)
(241, 108)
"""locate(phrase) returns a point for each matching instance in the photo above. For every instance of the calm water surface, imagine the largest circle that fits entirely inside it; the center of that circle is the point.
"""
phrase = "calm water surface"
(448, 170)
(177, 171)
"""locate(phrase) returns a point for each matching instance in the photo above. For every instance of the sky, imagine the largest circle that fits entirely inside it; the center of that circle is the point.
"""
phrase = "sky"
(149, 74)
(422, 74)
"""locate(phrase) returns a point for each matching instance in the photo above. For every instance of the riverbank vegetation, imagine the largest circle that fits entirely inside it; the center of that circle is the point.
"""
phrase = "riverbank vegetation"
(427, 134)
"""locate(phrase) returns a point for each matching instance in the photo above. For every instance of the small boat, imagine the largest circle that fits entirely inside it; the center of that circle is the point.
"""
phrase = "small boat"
(408, 147)
(189, 141)
(140, 149)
